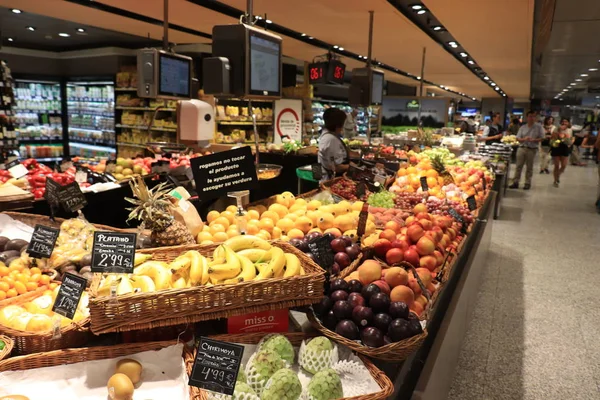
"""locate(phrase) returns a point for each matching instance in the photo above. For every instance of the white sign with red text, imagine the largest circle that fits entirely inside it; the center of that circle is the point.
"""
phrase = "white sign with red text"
(288, 120)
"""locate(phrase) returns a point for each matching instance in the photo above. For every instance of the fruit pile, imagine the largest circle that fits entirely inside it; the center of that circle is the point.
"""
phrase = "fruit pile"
(239, 259)
(367, 310)
(346, 189)
(35, 180)
(383, 199)
(343, 248)
(128, 372)
(37, 315)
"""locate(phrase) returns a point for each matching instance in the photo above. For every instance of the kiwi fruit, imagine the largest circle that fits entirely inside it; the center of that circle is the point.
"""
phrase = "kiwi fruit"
(5, 255)
(15, 244)
(3, 241)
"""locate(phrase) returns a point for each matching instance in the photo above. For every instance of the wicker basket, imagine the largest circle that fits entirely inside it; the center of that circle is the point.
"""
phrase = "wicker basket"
(72, 335)
(73, 356)
(387, 388)
(180, 306)
(271, 200)
(34, 219)
(8, 346)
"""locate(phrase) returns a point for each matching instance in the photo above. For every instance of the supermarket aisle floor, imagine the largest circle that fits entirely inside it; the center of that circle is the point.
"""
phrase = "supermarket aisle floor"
(536, 325)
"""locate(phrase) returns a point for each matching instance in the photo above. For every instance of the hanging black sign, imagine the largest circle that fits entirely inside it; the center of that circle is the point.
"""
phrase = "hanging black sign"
(226, 171)
(216, 366)
(71, 197)
(363, 216)
(472, 203)
(69, 294)
(317, 172)
(321, 249)
(52, 192)
(42, 241)
(361, 189)
(113, 252)
(424, 185)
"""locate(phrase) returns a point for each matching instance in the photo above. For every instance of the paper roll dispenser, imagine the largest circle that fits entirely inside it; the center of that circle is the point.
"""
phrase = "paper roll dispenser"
(195, 121)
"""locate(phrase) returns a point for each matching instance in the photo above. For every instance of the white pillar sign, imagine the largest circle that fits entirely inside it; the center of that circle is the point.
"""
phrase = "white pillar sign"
(288, 119)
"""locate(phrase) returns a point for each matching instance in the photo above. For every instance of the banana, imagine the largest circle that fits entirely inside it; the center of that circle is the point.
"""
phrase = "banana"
(248, 271)
(205, 276)
(276, 259)
(242, 242)
(181, 265)
(218, 256)
(292, 265)
(196, 267)
(141, 258)
(302, 272)
(254, 255)
(230, 269)
(178, 282)
(124, 286)
(157, 270)
(144, 283)
(264, 271)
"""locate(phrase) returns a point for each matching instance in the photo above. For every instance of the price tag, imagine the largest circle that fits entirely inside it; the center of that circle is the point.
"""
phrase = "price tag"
(363, 216)
(16, 169)
(424, 185)
(456, 215)
(69, 294)
(336, 198)
(52, 192)
(321, 249)
(216, 366)
(380, 179)
(71, 197)
(484, 182)
(317, 172)
(81, 176)
(113, 252)
(472, 203)
(42, 241)
(361, 190)
(160, 166)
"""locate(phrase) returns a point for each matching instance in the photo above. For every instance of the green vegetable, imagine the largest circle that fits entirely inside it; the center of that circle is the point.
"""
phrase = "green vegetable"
(2, 345)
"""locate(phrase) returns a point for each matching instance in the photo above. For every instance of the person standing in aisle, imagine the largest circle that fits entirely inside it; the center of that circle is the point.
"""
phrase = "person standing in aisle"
(350, 124)
(529, 136)
(333, 153)
(560, 141)
(575, 156)
(549, 128)
(493, 132)
(513, 127)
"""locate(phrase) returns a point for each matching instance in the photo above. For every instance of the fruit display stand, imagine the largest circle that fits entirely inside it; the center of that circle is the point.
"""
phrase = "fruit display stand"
(296, 339)
(200, 303)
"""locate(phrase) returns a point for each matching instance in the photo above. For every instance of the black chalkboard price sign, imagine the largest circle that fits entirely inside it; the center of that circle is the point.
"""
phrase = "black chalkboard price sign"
(472, 203)
(317, 172)
(321, 249)
(113, 252)
(69, 295)
(71, 197)
(42, 241)
(216, 366)
(424, 185)
(52, 192)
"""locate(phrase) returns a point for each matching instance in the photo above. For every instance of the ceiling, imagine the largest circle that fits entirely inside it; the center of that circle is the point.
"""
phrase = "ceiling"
(570, 51)
(397, 42)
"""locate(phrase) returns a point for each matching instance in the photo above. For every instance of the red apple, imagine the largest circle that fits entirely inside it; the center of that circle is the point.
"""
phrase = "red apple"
(414, 232)
(385, 288)
(437, 232)
(412, 256)
(439, 257)
(394, 255)
(400, 244)
(423, 215)
(429, 262)
(388, 234)
(427, 224)
(420, 208)
(410, 220)
(394, 226)
(425, 246)
(381, 247)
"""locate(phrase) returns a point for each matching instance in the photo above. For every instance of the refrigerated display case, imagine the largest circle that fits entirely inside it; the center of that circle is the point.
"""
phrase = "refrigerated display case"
(38, 119)
(91, 113)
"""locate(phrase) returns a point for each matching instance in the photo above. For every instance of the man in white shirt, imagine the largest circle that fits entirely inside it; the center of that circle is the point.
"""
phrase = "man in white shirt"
(350, 124)
(529, 136)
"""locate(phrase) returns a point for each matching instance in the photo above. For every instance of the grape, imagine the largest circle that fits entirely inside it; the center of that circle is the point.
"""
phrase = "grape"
(382, 199)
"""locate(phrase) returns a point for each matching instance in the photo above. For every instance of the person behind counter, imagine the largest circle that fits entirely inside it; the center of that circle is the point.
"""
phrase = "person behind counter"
(333, 153)
(350, 124)
(493, 133)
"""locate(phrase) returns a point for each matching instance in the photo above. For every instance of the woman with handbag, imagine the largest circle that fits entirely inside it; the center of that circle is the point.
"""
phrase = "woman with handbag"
(560, 142)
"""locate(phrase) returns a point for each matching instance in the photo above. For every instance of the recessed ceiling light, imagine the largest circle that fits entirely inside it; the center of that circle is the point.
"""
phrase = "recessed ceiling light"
(593, 69)
(598, 97)
(504, 95)
(493, 84)
(258, 17)
(30, 28)
(474, 98)
(11, 39)
(486, 78)
(439, 28)
(268, 21)
(464, 55)
(335, 47)
(416, 6)
(304, 34)
(583, 75)
(471, 62)
(418, 78)
(80, 30)
(341, 49)
(578, 80)
(421, 12)
(62, 34)
(453, 44)
(497, 88)
(16, 10)
(310, 37)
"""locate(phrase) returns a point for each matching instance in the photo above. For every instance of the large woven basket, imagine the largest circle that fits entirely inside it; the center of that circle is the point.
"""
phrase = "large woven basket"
(180, 306)
(386, 386)
(72, 356)
(72, 335)
(8, 346)
(34, 219)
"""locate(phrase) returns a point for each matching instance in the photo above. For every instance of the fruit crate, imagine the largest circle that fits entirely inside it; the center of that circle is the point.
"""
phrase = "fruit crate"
(296, 338)
(200, 303)
(74, 334)
(76, 355)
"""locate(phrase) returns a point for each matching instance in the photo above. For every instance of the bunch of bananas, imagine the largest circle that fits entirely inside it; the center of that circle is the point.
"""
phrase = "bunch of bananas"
(239, 259)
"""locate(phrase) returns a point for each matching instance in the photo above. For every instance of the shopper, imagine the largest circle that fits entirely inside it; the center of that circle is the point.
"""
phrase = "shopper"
(529, 136)
(350, 124)
(560, 142)
(578, 137)
(549, 129)
(460, 125)
(333, 153)
(513, 127)
(493, 133)
(589, 143)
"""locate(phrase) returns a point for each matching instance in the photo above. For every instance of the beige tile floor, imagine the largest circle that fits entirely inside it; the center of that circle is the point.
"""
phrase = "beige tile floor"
(535, 332)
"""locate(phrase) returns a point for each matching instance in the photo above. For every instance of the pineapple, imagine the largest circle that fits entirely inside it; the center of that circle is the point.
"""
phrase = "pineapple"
(153, 209)
(437, 163)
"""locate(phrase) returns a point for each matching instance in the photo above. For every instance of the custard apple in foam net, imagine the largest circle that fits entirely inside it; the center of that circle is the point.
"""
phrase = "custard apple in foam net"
(283, 385)
(261, 366)
(242, 375)
(280, 345)
(325, 385)
(318, 354)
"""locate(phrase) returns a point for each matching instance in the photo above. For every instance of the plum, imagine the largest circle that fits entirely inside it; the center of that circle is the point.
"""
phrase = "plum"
(329, 320)
(380, 302)
(356, 299)
(323, 307)
(347, 329)
(347, 240)
(362, 315)
(338, 245)
(339, 295)
(382, 322)
(369, 291)
(300, 244)
(399, 329)
(398, 309)
(354, 286)
(312, 236)
(415, 327)
(338, 284)
(342, 259)
(353, 251)
(372, 337)
(342, 310)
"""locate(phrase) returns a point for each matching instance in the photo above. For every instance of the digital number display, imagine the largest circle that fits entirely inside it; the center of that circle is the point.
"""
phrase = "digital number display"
(317, 73)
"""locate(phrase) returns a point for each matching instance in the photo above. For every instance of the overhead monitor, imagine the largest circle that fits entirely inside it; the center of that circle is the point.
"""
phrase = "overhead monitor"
(164, 75)
(377, 87)
(332, 71)
(365, 92)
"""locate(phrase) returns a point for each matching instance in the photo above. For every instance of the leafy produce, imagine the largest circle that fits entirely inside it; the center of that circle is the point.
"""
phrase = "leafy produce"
(2, 345)
(383, 199)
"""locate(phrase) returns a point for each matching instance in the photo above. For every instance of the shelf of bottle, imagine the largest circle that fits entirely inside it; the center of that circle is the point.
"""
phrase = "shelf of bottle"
(144, 128)
(144, 108)
(91, 141)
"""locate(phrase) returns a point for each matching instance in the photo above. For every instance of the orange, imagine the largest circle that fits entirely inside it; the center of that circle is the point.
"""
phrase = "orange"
(411, 170)
(45, 279)
(2, 294)
(432, 182)
(31, 286)
(220, 237)
(20, 287)
(11, 293)
(231, 208)
(4, 271)
(22, 278)
(402, 172)
(202, 236)
(252, 229)
(216, 228)
(229, 215)
(285, 224)
(281, 210)
(432, 173)
(4, 286)
(272, 215)
(35, 270)
(10, 281)
(212, 215)
(15, 267)
(295, 233)
(266, 224)
(233, 231)
(264, 235)
(53, 286)
(252, 214)
(441, 181)
(222, 221)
